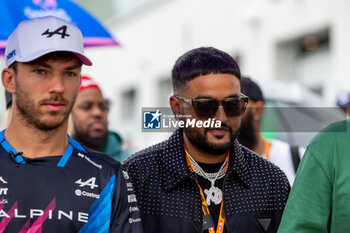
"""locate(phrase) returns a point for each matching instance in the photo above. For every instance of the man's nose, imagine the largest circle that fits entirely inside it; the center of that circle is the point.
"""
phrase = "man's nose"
(221, 114)
(56, 84)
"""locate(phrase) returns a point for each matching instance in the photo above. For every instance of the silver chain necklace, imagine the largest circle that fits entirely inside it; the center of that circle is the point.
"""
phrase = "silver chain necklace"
(214, 194)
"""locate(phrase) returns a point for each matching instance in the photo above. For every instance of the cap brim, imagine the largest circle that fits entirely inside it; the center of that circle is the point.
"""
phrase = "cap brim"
(85, 60)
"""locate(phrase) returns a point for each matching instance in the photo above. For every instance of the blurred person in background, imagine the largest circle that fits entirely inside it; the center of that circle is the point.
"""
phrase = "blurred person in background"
(90, 121)
(343, 102)
(89, 125)
(282, 154)
(201, 179)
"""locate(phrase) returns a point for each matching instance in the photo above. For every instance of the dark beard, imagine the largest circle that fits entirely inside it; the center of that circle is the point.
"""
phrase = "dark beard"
(31, 116)
(95, 143)
(247, 135)
(201, 141)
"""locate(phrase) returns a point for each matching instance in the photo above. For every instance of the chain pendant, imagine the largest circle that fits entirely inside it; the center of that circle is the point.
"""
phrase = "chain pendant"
(214, 195)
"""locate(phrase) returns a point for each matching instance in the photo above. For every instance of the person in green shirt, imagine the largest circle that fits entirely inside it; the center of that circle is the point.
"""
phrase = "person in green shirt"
(319, 200)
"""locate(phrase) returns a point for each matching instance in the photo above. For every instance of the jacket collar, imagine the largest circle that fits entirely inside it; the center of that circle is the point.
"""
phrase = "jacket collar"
(174, 169)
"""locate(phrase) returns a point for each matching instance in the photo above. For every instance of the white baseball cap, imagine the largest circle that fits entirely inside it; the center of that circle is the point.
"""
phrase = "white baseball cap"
(36, 37)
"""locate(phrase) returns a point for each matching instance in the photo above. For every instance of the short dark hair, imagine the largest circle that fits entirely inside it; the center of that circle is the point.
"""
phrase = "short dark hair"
(202, 61)
(50, 56)
(251, 89)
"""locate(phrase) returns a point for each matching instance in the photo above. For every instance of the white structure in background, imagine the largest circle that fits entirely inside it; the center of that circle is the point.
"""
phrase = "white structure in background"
(300, 40)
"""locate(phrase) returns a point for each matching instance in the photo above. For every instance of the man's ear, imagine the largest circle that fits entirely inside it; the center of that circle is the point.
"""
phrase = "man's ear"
(8, 80)
(258, 109)
(175, 105)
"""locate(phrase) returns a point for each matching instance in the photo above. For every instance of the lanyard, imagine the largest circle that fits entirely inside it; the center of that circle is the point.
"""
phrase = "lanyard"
(267, 149)
(205, 209)
(18, 156)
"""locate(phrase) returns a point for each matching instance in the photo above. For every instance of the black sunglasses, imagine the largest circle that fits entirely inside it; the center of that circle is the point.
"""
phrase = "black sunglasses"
(207, 108)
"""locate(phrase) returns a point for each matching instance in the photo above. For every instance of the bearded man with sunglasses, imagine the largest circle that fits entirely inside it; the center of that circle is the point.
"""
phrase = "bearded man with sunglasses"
(201, 179)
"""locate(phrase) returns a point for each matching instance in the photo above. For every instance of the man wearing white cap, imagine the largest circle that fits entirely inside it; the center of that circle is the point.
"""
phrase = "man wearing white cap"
(48, 181)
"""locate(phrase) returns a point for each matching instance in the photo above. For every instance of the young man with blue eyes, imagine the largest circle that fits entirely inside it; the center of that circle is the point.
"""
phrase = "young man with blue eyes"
(201, 179)
(48, 181)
